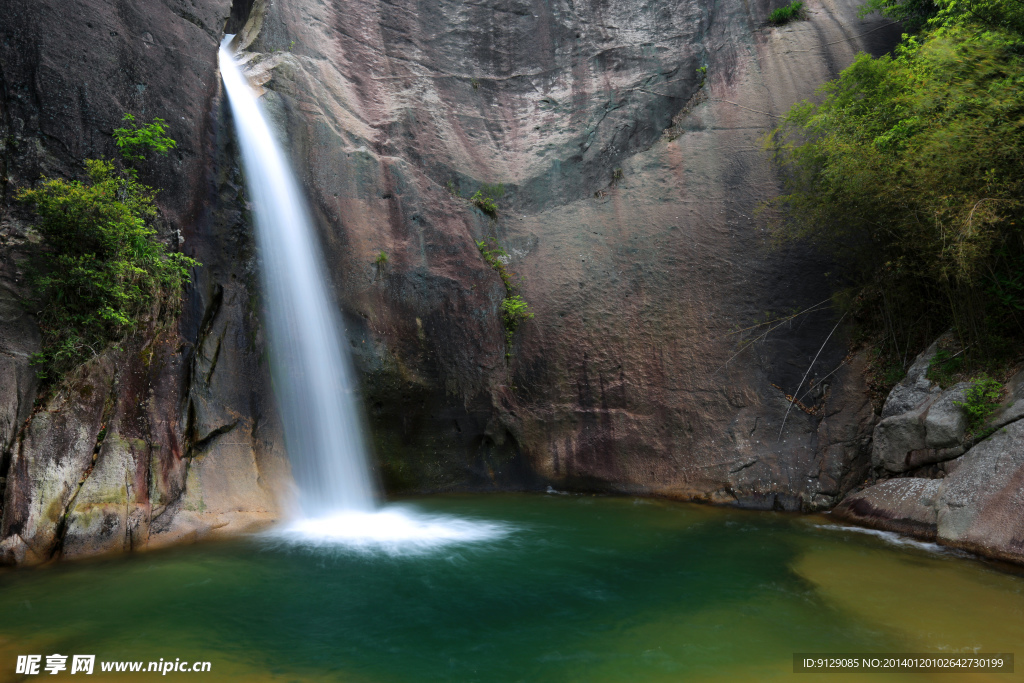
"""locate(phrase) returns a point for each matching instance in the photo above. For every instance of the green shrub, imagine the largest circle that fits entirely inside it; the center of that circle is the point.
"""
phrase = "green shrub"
(980, 401)
(484, 198)
(382, 259)
(134, 140)
(514, 311)
(484, 203)
(100, 272)
(784, 15)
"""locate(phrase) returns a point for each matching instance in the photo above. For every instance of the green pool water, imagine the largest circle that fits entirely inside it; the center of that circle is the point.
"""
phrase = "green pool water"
(580, 588)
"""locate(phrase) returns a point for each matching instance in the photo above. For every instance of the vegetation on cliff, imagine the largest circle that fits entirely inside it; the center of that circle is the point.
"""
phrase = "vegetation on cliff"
(514, 309)
(787, 13)
(485, 198)
(980, 401)
(910, 169)
(100, 272)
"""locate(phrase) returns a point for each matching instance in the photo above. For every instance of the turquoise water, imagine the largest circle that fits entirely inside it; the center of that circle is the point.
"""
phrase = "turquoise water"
(579, 589)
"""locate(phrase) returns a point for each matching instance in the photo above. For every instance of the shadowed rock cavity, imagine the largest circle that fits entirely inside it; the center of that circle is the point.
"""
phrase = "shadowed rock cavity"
(240, 11)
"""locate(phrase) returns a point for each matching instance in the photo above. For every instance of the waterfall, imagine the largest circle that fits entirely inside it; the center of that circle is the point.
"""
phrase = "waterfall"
(313, 379)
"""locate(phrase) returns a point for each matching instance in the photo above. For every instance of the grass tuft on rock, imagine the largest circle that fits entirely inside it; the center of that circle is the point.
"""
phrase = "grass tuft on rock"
(791, 12)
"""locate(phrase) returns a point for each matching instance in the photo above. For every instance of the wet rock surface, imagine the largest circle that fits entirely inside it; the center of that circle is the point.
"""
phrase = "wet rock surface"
(975, 508)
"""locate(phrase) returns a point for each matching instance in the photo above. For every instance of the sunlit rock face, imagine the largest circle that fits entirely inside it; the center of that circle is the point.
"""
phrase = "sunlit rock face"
(631, 174)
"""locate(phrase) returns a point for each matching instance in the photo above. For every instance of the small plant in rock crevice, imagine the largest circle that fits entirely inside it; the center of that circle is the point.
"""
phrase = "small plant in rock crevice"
(382, 259)
(484, 203)
(980, 401)
(783, 15)
(514, 311)
(485, 198)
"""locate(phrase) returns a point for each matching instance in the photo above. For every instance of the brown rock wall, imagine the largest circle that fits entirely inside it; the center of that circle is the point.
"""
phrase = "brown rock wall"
(629, 194)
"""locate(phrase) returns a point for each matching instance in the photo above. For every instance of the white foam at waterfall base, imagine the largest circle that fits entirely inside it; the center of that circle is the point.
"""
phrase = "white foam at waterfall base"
(393, 530)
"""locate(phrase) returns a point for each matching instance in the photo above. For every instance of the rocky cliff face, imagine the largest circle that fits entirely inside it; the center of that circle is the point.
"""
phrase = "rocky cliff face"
(626, 137)
(171, 436)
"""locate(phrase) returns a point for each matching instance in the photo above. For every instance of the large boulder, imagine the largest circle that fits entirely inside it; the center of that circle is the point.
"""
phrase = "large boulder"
(980, 506)
(915, 388)
(921, 423)
(906, 506)
(945, 422)
(977, 507)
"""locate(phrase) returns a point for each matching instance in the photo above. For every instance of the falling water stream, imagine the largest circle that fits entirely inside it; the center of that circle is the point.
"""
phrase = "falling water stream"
(314, 383)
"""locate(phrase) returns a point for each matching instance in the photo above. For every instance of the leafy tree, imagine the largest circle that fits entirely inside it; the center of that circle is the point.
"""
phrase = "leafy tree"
(910, 169)
(913, 14)
(100, 272)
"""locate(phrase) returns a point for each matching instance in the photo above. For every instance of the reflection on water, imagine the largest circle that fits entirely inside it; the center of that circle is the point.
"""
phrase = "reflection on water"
(578, 589)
